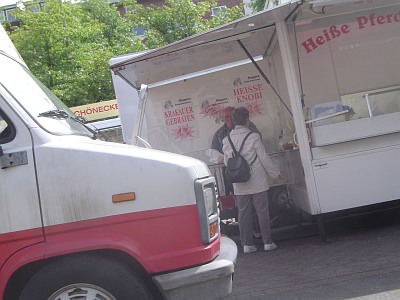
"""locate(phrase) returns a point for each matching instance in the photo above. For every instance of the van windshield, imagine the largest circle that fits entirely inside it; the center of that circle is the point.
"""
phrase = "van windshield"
(38, 101)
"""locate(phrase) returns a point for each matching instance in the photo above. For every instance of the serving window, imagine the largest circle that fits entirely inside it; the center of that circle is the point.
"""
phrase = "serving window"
(350, 71)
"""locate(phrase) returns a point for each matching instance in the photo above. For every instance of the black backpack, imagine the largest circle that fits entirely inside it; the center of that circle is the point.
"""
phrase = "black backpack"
(237, 168)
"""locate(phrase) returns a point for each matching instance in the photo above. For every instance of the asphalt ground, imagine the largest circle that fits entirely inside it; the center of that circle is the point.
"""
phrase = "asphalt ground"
(360, 260)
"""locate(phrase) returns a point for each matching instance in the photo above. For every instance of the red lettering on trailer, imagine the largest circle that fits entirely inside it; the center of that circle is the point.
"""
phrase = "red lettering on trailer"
(336, 31)
(179, 120)
(178, 112)
(249, 97)
(373, 20)
(248, 89)
(332, 33)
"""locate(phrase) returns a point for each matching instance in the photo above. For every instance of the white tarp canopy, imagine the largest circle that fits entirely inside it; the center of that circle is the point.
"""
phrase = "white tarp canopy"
(203, 51)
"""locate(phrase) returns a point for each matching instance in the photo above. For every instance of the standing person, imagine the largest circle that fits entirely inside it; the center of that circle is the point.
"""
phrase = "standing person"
(216, 144)
(255, 190)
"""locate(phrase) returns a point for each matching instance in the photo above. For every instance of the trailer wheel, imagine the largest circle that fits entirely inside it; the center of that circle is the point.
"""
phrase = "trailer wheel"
(280, 197)
(87, 278)
(282, 209)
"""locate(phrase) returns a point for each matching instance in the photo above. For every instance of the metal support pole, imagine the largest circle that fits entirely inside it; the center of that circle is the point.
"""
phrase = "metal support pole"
(298, 117)
(137, 128)
(263, 75)
(321, 228)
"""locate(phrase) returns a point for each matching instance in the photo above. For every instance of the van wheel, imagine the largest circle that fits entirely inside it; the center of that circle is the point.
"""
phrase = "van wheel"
(85, 277)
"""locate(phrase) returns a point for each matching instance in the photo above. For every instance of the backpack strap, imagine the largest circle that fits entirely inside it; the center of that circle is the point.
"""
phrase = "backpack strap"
(235, 152)
(244, 140)
(233, 147)
(241, 147)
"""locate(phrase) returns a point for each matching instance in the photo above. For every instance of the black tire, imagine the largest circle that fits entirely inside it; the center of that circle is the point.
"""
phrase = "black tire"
(85, 274)
(280, 197)
(282, 209)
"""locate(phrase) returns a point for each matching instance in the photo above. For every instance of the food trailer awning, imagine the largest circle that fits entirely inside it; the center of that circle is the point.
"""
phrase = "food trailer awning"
(219, 49)
(203, 51)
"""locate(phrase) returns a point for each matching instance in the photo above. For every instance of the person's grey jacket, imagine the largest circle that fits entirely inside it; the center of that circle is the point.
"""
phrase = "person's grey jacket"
(262, 165)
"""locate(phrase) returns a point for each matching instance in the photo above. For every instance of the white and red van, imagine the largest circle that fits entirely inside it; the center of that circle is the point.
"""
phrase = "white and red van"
(91, 219)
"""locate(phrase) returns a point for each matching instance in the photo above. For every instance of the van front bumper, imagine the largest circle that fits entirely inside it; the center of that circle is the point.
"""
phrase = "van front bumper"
(210, 281)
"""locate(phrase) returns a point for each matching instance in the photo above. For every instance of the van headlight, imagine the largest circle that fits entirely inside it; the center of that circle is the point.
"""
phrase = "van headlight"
(206, 198)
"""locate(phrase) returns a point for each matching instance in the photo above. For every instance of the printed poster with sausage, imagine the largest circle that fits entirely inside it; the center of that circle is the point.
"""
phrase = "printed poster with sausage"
(212, 108)
(180, 120)
(248, 91)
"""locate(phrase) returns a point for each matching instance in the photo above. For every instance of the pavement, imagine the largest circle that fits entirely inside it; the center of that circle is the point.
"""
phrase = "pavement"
(360, 260)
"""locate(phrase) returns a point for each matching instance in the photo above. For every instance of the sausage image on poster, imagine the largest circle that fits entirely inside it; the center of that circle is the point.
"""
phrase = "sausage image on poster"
(213, 108)
(180, 120)
(248, 92)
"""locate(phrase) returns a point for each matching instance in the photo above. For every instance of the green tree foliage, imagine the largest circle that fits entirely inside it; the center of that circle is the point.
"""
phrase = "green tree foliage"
(67, 44)
(259, 5)
(177, 19)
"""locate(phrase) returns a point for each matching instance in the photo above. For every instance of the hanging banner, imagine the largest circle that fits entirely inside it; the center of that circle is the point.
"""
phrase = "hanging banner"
(212, 109)
(248, 92)
(180, 120)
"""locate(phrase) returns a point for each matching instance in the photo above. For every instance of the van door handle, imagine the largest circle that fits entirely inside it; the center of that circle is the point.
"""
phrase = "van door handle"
(14, 159)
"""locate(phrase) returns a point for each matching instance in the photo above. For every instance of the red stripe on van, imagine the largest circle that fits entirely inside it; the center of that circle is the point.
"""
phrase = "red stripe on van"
(160, 240)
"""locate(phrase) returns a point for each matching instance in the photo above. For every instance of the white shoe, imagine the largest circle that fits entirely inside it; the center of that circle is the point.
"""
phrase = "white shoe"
(269, 247)
(249, 249)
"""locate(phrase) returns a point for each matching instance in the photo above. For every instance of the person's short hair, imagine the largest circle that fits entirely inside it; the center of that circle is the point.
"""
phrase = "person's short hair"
(240, 115)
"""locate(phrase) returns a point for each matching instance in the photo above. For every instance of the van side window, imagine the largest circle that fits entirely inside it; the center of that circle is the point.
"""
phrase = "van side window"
(7, 129)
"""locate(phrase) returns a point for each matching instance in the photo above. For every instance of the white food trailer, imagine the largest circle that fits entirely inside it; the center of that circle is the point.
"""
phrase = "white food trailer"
(328, 71)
